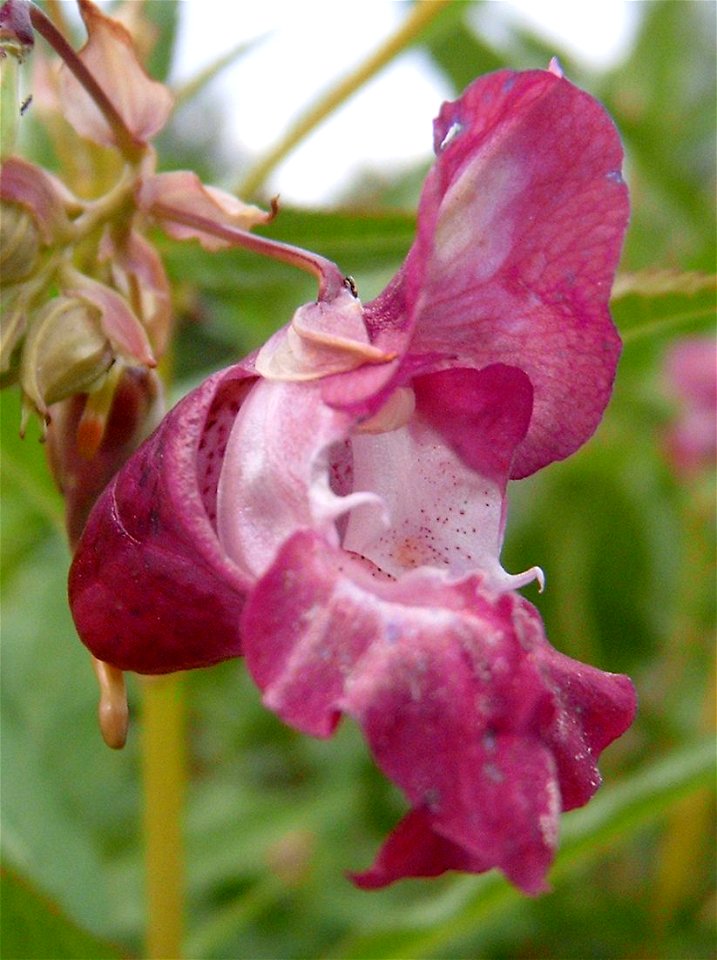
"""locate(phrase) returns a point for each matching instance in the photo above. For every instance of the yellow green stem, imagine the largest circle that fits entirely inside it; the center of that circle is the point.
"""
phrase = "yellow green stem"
(423, 13)
(665, 325)
(164, 775)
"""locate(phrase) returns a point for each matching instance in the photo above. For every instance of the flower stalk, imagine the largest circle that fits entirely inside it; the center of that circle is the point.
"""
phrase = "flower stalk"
(164, 777)
(330, 278)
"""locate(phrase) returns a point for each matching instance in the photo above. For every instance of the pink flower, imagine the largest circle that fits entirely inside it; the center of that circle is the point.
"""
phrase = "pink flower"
(333, 508)
(691, 374)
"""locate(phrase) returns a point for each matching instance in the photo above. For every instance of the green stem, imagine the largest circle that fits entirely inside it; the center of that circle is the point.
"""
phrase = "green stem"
(664, 325)
(197, 83)
(421, 15)
(164, 774)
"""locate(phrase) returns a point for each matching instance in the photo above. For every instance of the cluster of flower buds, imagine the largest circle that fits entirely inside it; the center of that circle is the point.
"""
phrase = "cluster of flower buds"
(86, 307)
(85, 300)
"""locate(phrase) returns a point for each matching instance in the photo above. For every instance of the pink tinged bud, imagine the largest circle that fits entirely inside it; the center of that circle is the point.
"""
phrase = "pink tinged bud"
(19, 243)
(109, 54)
(138, 273)
(133, 406)
(44, 197)
(120, 325)
(65, 352)
(14, 315)
(181, 192)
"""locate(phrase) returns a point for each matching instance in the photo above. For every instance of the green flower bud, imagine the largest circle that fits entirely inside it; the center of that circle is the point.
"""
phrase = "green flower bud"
(65, 352)
(19, 243)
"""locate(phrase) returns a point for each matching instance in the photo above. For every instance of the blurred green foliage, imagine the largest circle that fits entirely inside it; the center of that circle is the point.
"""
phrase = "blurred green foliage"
(273, 819)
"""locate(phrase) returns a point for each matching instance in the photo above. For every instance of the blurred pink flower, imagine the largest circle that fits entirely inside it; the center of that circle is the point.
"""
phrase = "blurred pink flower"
(333, 508)
(691, 373)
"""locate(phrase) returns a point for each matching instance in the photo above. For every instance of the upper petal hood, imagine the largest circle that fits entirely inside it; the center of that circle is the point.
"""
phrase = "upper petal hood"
(150, 587)
(520, 227)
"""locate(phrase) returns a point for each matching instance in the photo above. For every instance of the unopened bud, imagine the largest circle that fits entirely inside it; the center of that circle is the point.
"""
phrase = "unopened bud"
(19, 243)
(65, 352)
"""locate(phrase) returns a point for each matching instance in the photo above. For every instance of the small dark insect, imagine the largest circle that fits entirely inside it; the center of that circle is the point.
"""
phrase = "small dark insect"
(25, 104)
(351, 284)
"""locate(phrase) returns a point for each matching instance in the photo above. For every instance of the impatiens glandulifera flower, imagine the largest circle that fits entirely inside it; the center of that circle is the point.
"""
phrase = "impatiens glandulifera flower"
(333, 508)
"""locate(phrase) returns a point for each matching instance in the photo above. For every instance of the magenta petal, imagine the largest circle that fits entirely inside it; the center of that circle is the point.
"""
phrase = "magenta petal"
(464, 703)
(414, 849)
(445, 500)
(482, 415)
(520, 228)
(150, 588)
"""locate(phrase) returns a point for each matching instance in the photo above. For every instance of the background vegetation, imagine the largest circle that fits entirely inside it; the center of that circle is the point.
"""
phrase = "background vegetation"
(273, 819)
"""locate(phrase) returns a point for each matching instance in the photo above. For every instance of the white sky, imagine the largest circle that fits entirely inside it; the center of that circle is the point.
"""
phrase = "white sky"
(314, 42)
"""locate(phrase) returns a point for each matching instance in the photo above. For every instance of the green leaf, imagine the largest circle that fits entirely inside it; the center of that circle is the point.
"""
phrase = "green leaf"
(164, 16)
(66, 797)
(663, 98)
(462, 55)
(201, 80)
(34, 928)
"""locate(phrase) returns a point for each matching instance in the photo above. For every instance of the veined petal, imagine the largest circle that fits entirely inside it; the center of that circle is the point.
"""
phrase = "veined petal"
(465, 705)
(520, 230)
(151, 588)
(182, 192)
(520, 227)
(143, 104)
